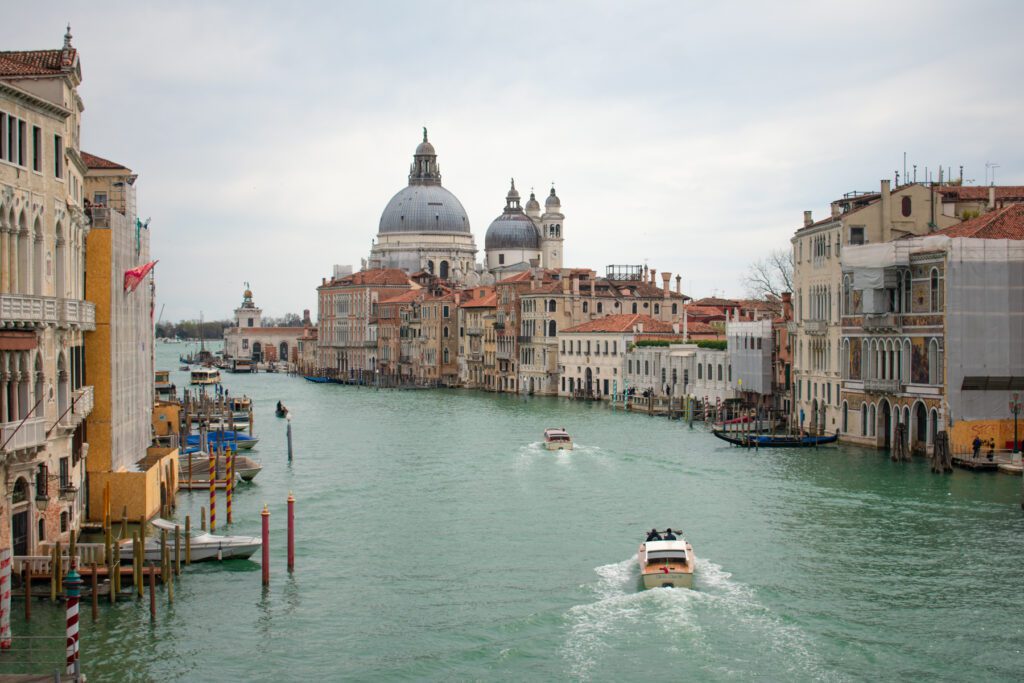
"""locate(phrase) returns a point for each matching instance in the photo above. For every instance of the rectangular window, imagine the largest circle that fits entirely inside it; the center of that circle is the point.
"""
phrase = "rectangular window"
(37, 149)
(65, 478)
(58, 157)
(444, 311)
(829, 392)
(857, 234)
(615, 348)
(22, 141)
(12, 132)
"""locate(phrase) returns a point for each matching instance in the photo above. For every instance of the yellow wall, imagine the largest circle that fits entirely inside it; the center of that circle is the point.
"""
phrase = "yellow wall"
(166, 418)
(964, 431)
(97, 350)
(140, 491)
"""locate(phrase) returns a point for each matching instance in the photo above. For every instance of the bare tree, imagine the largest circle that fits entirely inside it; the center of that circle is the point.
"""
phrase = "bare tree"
(769, 277)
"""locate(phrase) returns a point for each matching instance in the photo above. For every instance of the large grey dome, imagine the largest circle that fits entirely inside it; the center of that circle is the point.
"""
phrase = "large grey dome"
(424, 209)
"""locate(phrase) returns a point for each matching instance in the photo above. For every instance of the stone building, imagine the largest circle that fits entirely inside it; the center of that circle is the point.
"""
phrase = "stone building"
(249, 339)
(751, 349)
(346, 335)
(856, 218)
(44, 400)
(119, 353)
(477, 313)
(591, 355)
(931, 332)
(424, 227)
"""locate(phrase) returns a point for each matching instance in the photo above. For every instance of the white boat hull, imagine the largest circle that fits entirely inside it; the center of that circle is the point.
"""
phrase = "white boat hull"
(669, 580)
(558, 445)
(236, 548)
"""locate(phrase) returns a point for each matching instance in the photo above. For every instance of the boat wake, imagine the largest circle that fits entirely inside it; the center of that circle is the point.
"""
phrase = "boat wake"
(706, 625)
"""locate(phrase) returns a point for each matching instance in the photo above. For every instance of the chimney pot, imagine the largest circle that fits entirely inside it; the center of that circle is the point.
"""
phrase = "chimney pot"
(679, 284)
(991, 197)
(807, 218)
(666, 278)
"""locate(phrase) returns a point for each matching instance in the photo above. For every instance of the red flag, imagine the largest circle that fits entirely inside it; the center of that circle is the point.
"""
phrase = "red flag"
(134, 276)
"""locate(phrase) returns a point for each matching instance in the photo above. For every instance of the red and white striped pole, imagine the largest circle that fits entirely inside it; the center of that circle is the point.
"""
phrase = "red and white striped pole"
(229, 476)
(266, 545)
(71, 584)
(291, 532)
(5, 598)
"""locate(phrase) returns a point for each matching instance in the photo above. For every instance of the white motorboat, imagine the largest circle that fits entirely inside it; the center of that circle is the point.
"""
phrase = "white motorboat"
(666, 560)
(245, 467)
(203, 545)
(557, 439)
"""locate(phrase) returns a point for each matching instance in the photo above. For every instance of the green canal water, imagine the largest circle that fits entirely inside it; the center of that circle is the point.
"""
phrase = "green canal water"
(437, 540)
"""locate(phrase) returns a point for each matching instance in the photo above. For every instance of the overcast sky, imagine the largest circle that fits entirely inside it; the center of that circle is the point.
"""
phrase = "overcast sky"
(268, 137)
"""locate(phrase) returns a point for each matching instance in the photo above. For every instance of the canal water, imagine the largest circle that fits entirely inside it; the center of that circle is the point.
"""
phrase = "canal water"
(437, 540)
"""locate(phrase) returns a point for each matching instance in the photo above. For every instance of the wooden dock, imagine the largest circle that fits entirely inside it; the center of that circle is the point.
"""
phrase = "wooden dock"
(981, 464)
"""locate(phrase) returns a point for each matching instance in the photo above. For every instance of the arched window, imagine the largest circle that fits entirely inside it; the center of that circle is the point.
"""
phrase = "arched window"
(445, 352)
(934, 371)
(719, 372)
(585, 307)
(444, 333)
(846, 417)
(552, 328)
(283, 351)
(444, 270)
(700, 371)
(847, 295)
(551, 306)
(647, 367)
(430, 267)
(863, 419)
(936, 292)
(905, 206)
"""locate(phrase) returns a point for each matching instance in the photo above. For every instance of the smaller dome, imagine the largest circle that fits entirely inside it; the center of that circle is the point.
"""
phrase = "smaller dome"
(512, 231)
(532, 205)
(247, 294)
(425, 148)
(552, 201)
(513, 193)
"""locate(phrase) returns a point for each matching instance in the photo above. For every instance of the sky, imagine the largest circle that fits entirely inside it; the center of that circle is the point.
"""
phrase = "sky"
(690, 136)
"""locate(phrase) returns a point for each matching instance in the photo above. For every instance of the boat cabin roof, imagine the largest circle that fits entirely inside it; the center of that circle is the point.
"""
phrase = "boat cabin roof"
(555, 432)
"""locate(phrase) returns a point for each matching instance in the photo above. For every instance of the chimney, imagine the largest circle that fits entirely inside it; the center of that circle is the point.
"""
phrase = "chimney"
(991, 197)
(807, 218)
(576, 285)
(787, 306)
(686, 325)
(836, 210)
(679, 284)
(886, 211)
(666, 278)
(323, 282)
(305, 318)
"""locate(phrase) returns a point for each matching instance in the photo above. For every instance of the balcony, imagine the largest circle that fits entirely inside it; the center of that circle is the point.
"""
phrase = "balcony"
(25, 310)
(32, 434)
(504, 354)
(791, 327)
(475, 357)
(474, 331)
(524, 339)
(883, 386)
(881, 322)
(77, 313)
(83, 403)
(815, 327)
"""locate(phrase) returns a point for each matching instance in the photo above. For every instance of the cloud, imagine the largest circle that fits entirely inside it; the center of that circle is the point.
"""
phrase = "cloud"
(692, 136)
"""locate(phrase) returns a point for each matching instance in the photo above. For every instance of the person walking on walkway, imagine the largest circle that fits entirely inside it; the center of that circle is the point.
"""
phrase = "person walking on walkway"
(977, 446)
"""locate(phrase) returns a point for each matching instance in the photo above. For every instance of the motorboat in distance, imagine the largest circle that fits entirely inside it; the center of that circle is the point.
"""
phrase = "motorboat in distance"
(666, 561)
(557, 439)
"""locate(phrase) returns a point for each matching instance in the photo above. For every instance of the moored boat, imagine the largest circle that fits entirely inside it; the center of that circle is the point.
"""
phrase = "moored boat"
(232, 439)
(203, 545)
(666, 560)
(557, 439)
(776, 440)
(245, 467)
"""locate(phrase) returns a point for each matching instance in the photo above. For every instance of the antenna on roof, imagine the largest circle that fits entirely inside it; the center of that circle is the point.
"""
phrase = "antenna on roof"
(904, 168)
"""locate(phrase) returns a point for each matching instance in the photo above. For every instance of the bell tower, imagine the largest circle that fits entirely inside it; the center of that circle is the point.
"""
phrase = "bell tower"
(247, 315)
(552, 237)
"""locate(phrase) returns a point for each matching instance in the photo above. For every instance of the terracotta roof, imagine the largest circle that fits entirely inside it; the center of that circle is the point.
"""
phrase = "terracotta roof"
(380, 277)
(1002, 224)
(33, 62)
(716, 301)
(93, 161)
(404, 297)
(479, 297)
(698, 310)
(963, 192)
(697, 327)
(622, 322)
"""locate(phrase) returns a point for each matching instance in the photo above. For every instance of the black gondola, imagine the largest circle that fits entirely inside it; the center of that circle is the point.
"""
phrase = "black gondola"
(775, 441)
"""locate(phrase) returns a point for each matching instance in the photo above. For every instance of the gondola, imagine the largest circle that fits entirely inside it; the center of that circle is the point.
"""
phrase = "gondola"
(317, 380)
(775, 441)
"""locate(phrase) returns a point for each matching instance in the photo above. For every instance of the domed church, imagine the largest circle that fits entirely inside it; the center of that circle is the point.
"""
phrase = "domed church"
(523, 237)
(424, 226)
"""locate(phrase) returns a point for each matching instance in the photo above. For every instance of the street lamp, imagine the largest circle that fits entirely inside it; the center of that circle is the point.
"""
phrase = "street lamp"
(1015, 408)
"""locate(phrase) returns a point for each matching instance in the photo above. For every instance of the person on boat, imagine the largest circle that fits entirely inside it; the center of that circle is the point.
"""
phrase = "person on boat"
(991, 449)
(976, 444)
(653, 535)
(668, 535)
(280, 408)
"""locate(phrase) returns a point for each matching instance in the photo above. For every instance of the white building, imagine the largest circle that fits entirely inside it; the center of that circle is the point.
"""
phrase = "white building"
(750, 347)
